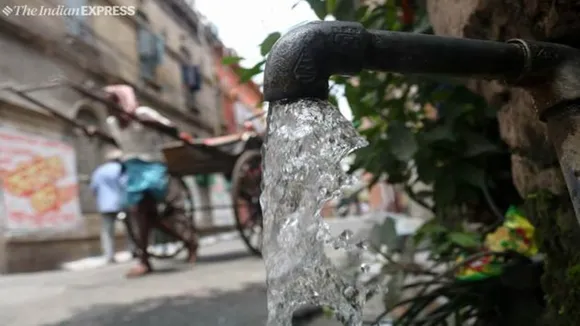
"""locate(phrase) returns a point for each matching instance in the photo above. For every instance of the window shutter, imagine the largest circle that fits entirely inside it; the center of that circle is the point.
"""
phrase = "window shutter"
(145, 43)
(159, 48)
(75, 22)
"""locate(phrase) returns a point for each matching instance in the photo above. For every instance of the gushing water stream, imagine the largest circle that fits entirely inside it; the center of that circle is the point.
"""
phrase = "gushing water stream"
(306, 141)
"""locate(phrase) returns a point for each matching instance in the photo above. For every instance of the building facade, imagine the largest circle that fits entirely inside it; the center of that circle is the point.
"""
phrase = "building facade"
(240, 100)
(162, 48)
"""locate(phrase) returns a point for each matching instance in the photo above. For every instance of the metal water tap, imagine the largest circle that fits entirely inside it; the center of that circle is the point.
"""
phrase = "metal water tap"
(301, 62)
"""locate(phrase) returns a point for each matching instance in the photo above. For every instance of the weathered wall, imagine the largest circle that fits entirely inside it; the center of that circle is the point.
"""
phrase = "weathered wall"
(45, 250)
(247, 93)
(533, 161)
(520, 128)
(121, 47)
(21, 63)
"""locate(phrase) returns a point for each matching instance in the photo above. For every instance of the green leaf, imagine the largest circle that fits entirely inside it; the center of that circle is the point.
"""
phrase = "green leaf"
(465, 240)
(432, 228)
(361, 12)
(319, 8)
(327, 312)
(231, 60)
(444, 190)
(426, 167)
(337, 79)
(268, 42)
(441, 132)
(344, 10)
(248, 74)
(402, 140)
(384, 234)
(424, 194)
(331, 5)
(392, 19)
(423, 26)
(470, 174)
(332, 99)
(442, 247)
(373, 18)
(477, 144)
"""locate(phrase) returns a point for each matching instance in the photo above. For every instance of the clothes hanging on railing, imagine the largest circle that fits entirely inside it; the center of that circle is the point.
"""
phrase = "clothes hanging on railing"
(75, 22)
(151, 46)
(192, 78)
(159, 49)
(145, 43)
(151, 51)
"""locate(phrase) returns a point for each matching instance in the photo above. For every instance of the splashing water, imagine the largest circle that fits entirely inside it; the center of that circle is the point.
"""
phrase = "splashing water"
(306, 141)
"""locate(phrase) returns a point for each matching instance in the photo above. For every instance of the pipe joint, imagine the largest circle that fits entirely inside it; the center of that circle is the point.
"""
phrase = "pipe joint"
(301, 62)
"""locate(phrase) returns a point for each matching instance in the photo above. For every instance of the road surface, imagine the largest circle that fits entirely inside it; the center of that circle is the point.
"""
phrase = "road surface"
(225, 288)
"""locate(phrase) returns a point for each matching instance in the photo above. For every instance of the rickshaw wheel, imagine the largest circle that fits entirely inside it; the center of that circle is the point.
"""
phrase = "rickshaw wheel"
(246, 189)
(162, 245)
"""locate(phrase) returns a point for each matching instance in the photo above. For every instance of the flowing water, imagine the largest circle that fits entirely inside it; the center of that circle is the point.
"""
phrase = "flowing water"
(306, 141)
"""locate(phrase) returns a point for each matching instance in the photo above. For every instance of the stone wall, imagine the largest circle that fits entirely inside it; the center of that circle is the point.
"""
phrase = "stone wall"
(503, 20)
(533, 161)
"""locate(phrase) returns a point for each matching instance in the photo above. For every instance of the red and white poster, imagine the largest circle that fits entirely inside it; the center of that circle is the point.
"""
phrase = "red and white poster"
(39, 183)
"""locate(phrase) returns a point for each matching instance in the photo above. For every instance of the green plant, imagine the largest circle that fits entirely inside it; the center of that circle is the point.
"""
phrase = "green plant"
(458, 152)
(434, 131)
(428, 292)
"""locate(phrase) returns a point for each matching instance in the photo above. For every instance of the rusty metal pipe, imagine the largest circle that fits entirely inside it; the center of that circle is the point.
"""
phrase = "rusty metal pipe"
(301, 62)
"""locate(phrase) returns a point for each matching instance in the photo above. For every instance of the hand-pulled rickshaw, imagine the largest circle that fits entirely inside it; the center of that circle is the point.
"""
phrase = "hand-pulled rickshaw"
(236, 156)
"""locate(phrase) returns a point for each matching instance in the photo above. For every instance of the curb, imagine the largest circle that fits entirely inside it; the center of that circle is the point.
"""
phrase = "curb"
(90, 263)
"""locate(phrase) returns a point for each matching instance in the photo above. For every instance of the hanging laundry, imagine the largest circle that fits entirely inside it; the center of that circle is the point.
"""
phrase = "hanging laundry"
(192, 78)
(151, 46)
(198, 79)
(159, 49)
(186, 75)
(146, 43)
(75, 23)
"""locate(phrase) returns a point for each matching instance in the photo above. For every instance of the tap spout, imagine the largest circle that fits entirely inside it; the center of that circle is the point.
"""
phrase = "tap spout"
(303, 59)
(301, 62)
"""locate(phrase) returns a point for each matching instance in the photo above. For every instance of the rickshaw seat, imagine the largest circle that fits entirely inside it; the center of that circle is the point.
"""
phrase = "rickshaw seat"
(223, 140)
(232, 144)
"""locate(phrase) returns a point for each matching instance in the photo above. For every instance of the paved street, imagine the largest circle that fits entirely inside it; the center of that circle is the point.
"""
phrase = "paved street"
(225, 288)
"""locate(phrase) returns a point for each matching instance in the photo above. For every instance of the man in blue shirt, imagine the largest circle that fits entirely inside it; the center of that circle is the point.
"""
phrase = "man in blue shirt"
(107, 185)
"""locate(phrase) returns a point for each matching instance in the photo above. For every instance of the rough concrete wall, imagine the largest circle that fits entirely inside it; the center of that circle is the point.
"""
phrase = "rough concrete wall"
(52, 27)
(21, 65)
(177, 37)
(120, 49)
(533, 164)
(503, 20)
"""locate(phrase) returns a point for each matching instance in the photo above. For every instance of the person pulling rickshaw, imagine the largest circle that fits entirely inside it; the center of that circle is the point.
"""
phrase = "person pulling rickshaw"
(146, 176)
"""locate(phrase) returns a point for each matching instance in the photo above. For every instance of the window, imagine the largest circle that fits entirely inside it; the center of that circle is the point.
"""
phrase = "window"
(185, 54)
(77, 25)
(188, 75)
(151, 48)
